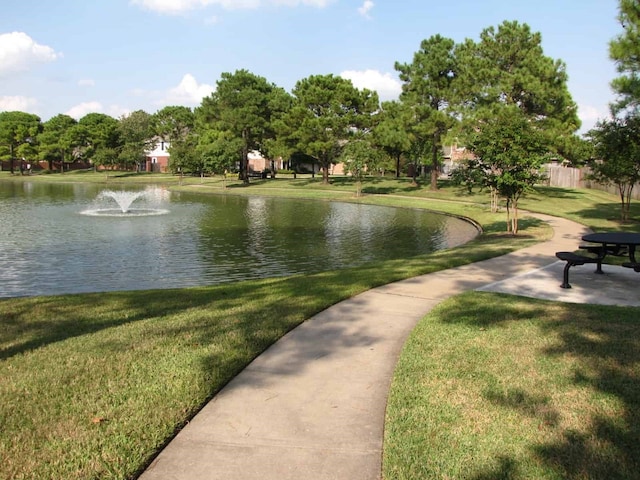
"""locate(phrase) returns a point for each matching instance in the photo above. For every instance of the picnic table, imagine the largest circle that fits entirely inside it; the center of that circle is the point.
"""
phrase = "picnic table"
(616, 243)
(601, 245)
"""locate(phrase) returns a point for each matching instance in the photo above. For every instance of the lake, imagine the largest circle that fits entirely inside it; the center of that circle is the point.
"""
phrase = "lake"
(62, 238)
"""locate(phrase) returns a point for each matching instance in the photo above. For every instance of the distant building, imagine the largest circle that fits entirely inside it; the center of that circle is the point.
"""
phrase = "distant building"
(259, 163)
(453, 156)
(157, 159)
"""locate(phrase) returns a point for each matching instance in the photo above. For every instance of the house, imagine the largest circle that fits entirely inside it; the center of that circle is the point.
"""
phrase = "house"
(453, 155)
(157, 159)
(258, 163)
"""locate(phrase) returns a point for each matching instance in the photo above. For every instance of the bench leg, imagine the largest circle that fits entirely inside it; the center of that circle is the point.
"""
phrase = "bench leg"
(565, 276)
(599, 266)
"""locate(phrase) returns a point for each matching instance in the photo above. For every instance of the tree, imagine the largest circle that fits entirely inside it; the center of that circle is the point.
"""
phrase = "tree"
(218, 151)
(136, 131)
(57, 140)
(625, 51)
(429, 89)
(244, 105)
(173, 123)
(617, 147)
(18, 133)
(327, 111)
(391, 132)
(359, 157)
(101, 136)
(511, 151)
(508, 67)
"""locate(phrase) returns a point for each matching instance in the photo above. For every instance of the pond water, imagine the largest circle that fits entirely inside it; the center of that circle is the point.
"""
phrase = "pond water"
(53, 242)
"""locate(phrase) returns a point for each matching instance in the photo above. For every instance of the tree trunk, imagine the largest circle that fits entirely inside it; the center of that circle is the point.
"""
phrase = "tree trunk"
(244, 161)
(398, 165)
(11, 158)
(434, 164)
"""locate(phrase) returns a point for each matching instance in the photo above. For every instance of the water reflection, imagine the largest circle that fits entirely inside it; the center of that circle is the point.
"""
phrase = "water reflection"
(48, 247)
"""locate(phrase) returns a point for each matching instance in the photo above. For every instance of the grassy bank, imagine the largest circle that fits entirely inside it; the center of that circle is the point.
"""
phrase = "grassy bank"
(93, 385)
(493, 386)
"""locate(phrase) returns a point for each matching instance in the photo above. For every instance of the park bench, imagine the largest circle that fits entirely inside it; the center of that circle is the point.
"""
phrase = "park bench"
(573, 259)
(634, 265)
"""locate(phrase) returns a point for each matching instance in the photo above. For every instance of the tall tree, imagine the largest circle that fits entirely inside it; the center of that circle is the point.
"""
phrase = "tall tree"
(173, 123)
(625, 51)
(136, 131)
(56, 141)
(511, 151)
(102, 136)
(326, 113)
(244, 105)
(18, 134)
(429, 89)
(617, 147)
(391, 132)
(508, 67)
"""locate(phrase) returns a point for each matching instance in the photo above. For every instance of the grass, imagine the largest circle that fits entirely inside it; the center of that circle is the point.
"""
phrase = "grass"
(93, 385)
(491, 386)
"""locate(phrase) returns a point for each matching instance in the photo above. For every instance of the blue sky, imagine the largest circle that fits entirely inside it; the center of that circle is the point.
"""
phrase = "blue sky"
(117, 56)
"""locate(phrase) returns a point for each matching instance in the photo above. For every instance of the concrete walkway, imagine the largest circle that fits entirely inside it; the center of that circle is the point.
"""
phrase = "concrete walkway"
(313, 405)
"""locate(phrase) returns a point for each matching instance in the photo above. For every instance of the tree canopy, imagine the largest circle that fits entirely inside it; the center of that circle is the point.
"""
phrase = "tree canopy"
(511, 151)
(244, 105)
(624, 50)
(326, 112)
(428, 89)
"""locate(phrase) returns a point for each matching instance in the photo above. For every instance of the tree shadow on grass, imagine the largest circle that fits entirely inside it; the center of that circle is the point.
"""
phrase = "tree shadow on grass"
(603, 342)
(611, 212)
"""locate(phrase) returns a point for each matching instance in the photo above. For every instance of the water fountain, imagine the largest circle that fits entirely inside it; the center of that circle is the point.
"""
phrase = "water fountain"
(124, 199)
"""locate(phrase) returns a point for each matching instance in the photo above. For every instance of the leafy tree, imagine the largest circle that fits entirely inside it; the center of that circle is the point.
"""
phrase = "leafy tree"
(617, 147)
(216, 151)
(173, 123)
(244, 106)
(428, 88)
(18, 134)
(327, 111)
(508, 67)
(57, 140)
(469, 174)
(100, 132)
(176, 125)
(360, 157)
(135, 131)
(391, 132)
(625, 51)
(511, 151)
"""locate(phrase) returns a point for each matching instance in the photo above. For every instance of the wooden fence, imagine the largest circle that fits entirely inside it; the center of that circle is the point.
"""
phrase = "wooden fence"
(567, 177)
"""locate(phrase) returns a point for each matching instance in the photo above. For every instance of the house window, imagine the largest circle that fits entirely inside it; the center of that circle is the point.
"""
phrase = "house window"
(154, 160)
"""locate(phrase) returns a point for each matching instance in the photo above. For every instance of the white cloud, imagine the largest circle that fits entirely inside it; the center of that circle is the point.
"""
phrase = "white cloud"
(86, 82)
(82, 109)
(17, 103)
(19, 52)
(85, 108)
(178, 7)
(387, 86)
(366, 8)
(188, 92)
(589, 115)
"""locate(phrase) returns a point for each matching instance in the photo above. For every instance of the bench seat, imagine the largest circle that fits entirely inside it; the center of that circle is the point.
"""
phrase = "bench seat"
(572, 260)
(635, 266)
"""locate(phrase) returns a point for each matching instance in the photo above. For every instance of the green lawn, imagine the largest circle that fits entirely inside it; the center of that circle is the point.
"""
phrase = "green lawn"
(491, 386)
(92, 386)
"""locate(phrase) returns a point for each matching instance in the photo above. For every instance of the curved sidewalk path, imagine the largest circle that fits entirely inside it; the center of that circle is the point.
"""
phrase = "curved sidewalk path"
(313, 405)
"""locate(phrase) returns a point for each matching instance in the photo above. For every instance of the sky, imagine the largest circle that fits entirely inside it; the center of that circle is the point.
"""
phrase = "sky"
(117, 56)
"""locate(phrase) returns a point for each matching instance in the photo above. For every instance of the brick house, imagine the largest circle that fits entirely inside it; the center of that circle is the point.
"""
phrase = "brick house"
(157, 159)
